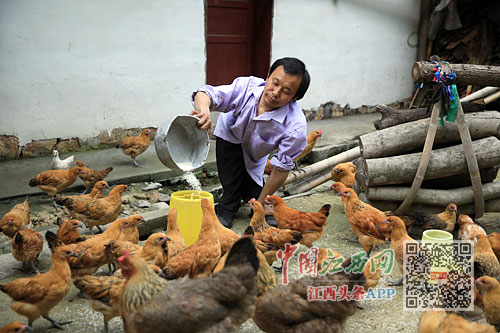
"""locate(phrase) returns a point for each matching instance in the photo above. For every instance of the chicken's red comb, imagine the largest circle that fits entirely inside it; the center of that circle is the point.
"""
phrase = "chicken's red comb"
(343, 188)
(126, 254)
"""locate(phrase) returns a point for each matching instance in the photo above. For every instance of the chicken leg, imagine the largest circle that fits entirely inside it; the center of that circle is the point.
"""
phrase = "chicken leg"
(28, 267)
(56, 206)
(55, 324)
(397, 282)
(136, 163)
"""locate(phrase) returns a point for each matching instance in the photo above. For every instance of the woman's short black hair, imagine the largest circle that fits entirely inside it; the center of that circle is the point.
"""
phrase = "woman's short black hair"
(294, 66)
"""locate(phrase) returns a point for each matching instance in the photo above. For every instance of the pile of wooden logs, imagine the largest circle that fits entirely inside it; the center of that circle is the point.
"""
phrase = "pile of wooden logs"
(390, 158)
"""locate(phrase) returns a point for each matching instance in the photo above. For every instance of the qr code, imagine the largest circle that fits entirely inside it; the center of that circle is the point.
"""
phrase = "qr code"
(438, 276)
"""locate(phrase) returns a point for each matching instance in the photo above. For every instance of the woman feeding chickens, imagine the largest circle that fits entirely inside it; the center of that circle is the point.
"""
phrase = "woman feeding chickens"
(257, 117)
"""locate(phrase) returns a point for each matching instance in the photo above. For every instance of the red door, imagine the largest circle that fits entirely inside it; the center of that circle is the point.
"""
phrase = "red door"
(238, 37)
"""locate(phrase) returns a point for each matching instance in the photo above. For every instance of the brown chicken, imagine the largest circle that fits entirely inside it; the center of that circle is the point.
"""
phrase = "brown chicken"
(98, 251)
(344, 173)
(311, 142)
(215, 304)
(176, 243)
(399, 235)
(442, 221)
(490, 288)
(155, 249)
(36, 296)
(372, 278)
(103, 294)
(468, 229)
(200, 258)
(16, 219)
(365, 220)
(15, 327)
(26, 246)
(266, 234)
(102, 211)
(90, 257)
(135, 145)
(78, 203)
(337, 187)
(439, 321)
(71, 201)
(309, 224)
(68, 231)
(226, 236)
(494, 239)
(91, 176)
(485, 260)
(286, 308)
(407, 219)
(55, 181)
(120, 248)
(121, 229)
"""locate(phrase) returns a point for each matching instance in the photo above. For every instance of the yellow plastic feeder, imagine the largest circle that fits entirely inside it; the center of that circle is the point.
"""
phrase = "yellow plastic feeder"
(189, 213)
(429, 239)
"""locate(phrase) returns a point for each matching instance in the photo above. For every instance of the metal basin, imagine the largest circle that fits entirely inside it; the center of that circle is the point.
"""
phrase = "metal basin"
(181, 145)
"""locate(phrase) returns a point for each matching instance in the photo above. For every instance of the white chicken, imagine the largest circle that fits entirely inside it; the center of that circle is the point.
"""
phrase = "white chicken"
(58, 164)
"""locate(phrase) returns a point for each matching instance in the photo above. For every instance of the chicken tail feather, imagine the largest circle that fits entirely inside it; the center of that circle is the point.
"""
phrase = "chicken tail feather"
(2, 288)
(243, 251)
(52, 240)
(297, 237)
(18, 239)
(325, 210)
(33, 182)
(420, 219)
(354, 277)
(64, 201)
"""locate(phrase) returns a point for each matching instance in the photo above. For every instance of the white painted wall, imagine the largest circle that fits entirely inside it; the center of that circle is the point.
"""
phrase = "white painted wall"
(355, 50)
(74, 68)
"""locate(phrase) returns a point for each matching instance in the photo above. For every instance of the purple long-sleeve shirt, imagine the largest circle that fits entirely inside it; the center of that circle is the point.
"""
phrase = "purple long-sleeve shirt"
(284, 129)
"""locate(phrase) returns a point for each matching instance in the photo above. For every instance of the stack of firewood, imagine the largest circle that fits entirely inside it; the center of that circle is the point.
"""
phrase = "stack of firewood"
(390, 158)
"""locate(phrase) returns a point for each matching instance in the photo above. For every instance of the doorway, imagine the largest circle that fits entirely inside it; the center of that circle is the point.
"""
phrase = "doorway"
(238, 39)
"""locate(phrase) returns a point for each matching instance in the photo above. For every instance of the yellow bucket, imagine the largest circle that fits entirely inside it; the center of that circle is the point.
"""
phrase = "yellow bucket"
(429, 239)
(189, 213)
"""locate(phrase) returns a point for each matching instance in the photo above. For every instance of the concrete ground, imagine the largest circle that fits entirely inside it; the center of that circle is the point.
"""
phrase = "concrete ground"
(376, 316)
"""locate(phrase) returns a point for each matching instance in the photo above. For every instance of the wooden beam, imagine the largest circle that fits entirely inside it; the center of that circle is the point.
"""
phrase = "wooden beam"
(481, 75)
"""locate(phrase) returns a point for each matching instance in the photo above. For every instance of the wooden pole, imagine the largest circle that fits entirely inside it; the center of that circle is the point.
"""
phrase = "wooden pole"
(422, 29)
(320, 166)
(424, 161)
(392, 117)
(436, 197)
(472, 165)
(491, 206)
(480, 93)
(444, 162)
(481, 75)
(488, 99)
(311, 183)
(409, 136)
